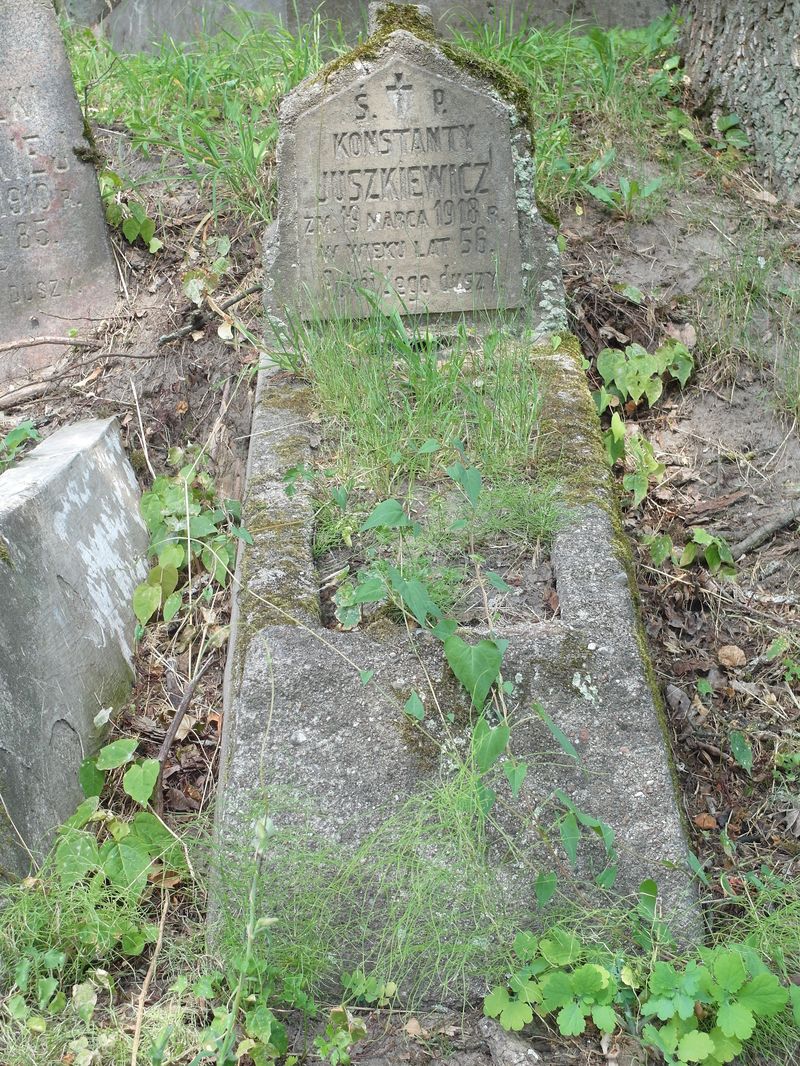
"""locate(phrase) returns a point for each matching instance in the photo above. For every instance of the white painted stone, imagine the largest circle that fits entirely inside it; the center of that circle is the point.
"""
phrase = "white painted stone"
(72, 547)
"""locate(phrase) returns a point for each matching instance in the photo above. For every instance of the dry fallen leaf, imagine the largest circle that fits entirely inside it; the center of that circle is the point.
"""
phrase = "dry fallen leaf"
(705, 821)
(414, 1029)
(731, 655)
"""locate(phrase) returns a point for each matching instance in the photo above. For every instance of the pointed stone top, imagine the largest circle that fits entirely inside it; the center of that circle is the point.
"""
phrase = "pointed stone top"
(385, 15)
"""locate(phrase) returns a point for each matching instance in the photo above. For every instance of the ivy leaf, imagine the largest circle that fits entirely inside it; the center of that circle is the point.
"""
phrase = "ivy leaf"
(476, 666)
(558, 734)
(571, 1021)
(126, 865)
(515, 775)
(116, 754)
(146, 601)
(570, 835)
(140, 780)
(764, 995)
(90, 778)
(489, 743)
(75, 856)
(741, 749)
(545, 887)
(695, 1046)
(414, 707)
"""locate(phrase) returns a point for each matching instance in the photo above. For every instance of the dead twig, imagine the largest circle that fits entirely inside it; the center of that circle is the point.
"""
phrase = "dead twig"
(202, 318)
(65, 342)
(183, 706)
(141, 432)
(151, 969)
(769, 529)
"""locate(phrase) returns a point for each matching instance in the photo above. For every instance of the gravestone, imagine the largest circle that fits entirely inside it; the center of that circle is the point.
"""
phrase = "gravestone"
(72, 550)
(56, 267)
(405, 171)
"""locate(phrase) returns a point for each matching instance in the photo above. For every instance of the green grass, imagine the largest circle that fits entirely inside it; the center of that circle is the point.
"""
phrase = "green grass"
(214, 105)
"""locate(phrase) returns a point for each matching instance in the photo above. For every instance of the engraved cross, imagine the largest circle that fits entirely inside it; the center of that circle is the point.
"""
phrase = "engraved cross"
(398, 89)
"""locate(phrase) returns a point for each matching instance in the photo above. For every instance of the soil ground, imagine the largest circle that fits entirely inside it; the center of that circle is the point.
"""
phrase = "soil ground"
(732, 457)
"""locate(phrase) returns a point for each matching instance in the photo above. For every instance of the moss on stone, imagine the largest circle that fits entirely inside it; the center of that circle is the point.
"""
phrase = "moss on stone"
(392, 17)
(5, 555)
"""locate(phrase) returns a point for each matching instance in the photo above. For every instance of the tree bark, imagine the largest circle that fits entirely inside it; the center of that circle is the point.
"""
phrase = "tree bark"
(743, 56)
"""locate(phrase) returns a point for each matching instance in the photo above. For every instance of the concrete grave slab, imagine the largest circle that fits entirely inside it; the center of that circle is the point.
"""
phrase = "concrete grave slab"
(306, 739)
(405, 170)
(56, 266)
(72, 548)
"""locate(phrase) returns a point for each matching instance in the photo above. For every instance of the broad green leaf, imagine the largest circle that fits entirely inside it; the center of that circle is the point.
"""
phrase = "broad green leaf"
(200, 526)
(545, 887)
(607, 878)
(75, 856)
(126, 865)
(695, 1046)
(736, 1020)
(46, 988)
(428, 447)
(556, 989)
(172, 605)
(515, 775)
(660, 548)
(604, 1018)
(83, 814)
(764, 995)
(130, 227)
(17, 1008)
(496, 1002)
(476, 666)
(570, 835)
(365, 676)
(84, 1000)
(516, 1015)
(741, 750)
(794, 995)
(727, 122)
(389, 514)
(726, 1048)
(489, 743)
(146, 601)
(469, 479)
(588, 979)
(560, 948)
(148, 834)
(414, 707)
(90, 778)
(571, 1020)
(140, 780)
(526, 946)
(729, 970)
(116, 754)
(558, 735)
(496, 581)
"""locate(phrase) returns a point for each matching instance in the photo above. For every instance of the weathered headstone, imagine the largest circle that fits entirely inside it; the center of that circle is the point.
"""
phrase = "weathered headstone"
(56, 265)
(72, 548)
(405, 170)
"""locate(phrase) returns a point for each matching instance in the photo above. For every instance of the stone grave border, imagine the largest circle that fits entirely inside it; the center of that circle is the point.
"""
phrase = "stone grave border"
(277, 588)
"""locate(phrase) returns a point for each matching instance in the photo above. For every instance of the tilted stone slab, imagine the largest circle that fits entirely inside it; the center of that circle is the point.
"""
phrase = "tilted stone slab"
(56, 267)
(407, 173)
(72, 546)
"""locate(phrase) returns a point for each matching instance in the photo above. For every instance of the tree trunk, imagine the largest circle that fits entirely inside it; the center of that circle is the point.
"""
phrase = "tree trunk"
(744, 56)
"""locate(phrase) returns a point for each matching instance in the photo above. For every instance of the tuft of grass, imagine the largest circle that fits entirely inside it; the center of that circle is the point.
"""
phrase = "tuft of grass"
(213, 104)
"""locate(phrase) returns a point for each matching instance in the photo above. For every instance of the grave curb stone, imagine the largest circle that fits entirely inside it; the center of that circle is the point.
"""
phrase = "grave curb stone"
(56, 266)
(591, 670)
(286, 249)
(72, 549)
